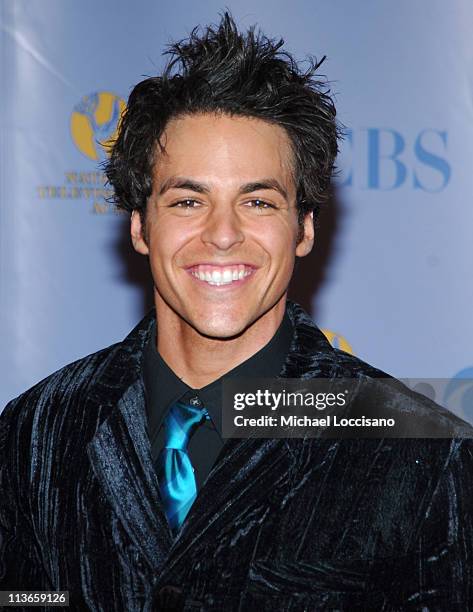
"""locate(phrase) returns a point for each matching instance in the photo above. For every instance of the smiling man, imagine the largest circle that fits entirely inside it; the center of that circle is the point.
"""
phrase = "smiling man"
(222, 233)
(117, 484)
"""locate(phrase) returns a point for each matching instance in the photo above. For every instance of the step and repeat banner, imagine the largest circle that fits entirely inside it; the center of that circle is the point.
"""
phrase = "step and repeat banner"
(390, 276)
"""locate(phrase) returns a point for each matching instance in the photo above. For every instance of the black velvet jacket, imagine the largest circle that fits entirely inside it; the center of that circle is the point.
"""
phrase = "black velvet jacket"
(285, 525)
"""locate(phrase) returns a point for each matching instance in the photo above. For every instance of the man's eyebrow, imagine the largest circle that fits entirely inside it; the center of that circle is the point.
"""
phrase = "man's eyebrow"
(178, 182)
(264, 184)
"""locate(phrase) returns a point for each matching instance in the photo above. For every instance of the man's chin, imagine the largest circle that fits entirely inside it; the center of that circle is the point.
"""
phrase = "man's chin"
(221, 328)
(221, 334)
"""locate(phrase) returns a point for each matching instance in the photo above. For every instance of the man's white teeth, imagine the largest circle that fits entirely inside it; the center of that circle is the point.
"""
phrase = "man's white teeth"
(223, 276)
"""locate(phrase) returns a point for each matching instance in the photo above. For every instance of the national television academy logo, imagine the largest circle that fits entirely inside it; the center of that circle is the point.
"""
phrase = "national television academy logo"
(94, 123)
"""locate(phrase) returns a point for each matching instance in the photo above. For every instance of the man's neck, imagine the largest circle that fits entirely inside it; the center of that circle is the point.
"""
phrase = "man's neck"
(199, 360)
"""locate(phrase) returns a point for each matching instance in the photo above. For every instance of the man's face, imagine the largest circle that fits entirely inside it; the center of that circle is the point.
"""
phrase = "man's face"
(221, 224)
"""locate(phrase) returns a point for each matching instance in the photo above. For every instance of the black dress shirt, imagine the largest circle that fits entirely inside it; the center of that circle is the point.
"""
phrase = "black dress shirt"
(163, 387)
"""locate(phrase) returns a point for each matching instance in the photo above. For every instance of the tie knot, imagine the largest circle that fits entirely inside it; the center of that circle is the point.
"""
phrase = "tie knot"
(183, 418)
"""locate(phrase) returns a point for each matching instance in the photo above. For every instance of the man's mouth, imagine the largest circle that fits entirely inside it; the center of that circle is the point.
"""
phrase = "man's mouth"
(221, 275)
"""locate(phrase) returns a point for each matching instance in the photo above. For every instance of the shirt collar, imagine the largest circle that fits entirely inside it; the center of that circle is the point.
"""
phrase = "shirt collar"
(163, 387)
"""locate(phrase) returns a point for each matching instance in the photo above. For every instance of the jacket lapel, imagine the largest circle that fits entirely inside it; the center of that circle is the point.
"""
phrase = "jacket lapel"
(120, 452)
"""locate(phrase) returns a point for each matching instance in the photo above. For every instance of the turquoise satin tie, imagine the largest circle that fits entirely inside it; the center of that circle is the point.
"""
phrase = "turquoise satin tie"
(174, 468)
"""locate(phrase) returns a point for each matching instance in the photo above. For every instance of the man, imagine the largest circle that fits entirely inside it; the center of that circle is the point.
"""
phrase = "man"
(116, 482)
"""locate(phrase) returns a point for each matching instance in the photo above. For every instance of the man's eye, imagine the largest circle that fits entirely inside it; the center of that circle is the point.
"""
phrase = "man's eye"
(187, 203)
(261, 204)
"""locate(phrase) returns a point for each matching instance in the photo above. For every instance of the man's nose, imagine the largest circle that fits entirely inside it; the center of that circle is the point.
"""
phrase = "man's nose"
(222, 229)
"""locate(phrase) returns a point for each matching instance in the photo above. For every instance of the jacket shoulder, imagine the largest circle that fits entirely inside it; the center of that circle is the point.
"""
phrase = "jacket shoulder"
(120, 360)
(350, 365)
(72, 379)
(428, 418)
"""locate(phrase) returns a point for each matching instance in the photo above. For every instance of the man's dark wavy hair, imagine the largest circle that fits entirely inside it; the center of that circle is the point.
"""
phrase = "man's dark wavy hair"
(220, 70)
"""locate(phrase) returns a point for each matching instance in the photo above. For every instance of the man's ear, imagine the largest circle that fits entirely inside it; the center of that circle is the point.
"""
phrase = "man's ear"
(137, 233)
(305, 245)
